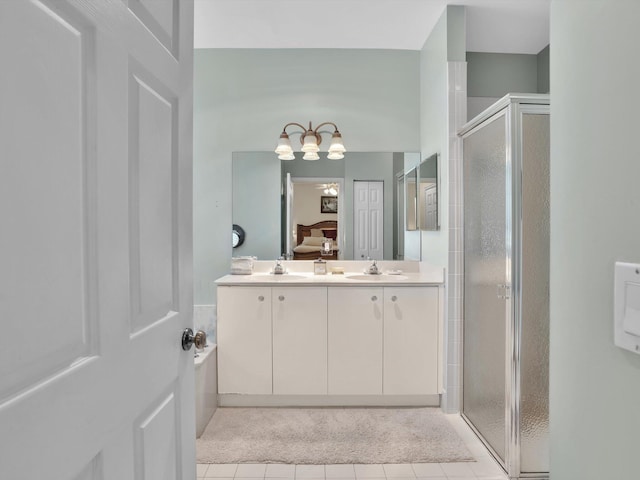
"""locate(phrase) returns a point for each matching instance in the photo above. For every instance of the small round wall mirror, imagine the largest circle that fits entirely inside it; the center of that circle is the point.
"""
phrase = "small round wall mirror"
(237, 236)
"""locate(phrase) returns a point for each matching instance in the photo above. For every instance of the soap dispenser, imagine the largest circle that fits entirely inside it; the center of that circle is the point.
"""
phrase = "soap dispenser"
(278, 269)
(320, 267)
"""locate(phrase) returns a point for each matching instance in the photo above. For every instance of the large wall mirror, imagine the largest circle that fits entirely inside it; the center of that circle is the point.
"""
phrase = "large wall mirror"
(411, 206)
(349, 209)
(427, 195)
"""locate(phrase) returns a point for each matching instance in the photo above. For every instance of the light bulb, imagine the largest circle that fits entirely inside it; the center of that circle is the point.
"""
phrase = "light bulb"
(310, 143)
(336, 143)
(284, 145)
(311, 156)
(335, 156)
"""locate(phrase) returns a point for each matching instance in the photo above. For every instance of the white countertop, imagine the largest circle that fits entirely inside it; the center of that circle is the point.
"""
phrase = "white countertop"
(301, 274)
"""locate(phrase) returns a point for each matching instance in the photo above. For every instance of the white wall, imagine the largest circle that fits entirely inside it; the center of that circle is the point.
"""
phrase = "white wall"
(243, 98)
(595, 220)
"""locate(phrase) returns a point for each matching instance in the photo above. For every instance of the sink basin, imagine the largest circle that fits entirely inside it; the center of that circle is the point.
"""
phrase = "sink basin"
(377, 278)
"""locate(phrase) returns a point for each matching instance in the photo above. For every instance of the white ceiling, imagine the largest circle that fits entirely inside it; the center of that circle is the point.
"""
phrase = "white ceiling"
(507, 26)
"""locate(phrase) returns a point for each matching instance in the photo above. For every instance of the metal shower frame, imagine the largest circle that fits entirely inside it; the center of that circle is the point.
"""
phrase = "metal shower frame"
(513, 107)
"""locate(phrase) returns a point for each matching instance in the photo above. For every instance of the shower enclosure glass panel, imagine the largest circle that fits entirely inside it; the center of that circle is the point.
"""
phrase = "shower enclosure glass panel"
(534, 349)
(485, 253)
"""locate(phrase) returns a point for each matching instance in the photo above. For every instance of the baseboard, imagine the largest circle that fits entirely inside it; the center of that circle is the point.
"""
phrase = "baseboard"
(238, 400)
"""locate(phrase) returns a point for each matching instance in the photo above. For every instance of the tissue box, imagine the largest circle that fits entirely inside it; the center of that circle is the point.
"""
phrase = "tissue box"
(242, 265)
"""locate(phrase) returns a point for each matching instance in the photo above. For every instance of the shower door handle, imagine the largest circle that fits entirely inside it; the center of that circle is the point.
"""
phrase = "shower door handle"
(503, 291)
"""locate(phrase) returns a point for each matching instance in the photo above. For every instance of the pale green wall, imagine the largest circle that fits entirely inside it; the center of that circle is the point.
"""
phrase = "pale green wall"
(445, 44)
(491, 76)
(317, 169)
(496, 74)
(243, 98)
(595, 205)
(456, 33)
(543, 70)
(256, 203)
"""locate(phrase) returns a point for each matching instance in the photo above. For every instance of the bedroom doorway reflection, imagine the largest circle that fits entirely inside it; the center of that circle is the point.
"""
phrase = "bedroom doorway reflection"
(314, 217)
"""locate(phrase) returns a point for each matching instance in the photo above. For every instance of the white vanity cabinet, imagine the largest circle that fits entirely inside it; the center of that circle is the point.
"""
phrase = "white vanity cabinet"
(299, 340)
(355, 340)
(244, 340)
(410, 340)
(329, 342)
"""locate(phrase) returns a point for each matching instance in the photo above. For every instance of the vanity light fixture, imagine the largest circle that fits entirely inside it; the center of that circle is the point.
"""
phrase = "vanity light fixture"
(310, 140)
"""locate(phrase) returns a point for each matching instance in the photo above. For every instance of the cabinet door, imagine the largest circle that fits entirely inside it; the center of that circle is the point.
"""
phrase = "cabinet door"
(299, 340)
(244, 340)
(355, 340)
(410, 340)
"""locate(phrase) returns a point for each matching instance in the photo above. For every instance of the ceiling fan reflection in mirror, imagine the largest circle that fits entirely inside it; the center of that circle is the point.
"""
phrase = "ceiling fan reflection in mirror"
(328, 188)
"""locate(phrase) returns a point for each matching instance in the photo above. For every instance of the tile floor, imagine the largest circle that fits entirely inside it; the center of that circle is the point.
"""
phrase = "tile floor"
(484, 468)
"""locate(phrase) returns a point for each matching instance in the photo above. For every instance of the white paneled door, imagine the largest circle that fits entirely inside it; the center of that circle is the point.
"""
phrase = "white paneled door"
(430, 196)
(368, 220)
(95, 246)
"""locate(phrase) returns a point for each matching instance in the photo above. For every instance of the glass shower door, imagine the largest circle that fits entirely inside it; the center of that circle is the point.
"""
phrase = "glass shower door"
(485, 273)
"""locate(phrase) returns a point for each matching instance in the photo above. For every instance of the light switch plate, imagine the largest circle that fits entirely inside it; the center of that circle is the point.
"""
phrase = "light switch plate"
(626, 301)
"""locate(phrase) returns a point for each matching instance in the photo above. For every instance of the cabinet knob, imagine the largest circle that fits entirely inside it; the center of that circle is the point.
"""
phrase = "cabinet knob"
(261, 298)
(281, 298)
(394, 298)
(374, 298)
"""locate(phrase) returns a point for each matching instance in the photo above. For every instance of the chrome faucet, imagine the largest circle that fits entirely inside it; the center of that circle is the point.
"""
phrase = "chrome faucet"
(373, 269)
(278, 269)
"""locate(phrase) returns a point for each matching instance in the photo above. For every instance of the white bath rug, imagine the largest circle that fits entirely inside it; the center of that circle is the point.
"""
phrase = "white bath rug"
(330, 436)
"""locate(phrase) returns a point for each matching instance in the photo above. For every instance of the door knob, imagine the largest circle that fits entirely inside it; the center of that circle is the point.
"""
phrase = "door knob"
(261, 298)
(394, 298)
(199, 339)
(281, 298)
(374, 298)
